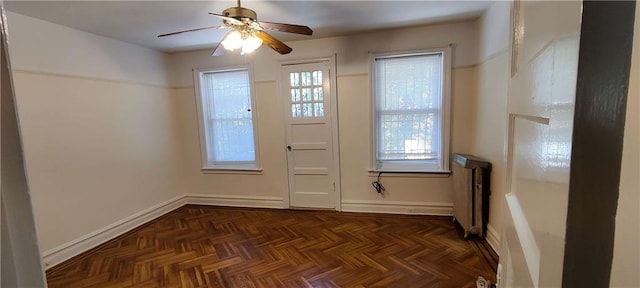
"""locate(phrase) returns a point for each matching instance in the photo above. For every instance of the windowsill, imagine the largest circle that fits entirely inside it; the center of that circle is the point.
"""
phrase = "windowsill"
(236, 171)
(410, 174)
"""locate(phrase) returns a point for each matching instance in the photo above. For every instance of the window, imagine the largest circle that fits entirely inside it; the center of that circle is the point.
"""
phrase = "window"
(411, 111)
(307, 94)
(228, 136)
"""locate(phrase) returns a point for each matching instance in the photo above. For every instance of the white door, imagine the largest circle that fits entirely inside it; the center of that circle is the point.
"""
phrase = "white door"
(542, 86)
(309, 116)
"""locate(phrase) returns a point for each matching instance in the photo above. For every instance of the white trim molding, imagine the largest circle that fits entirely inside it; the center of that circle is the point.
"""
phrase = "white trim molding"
(493, 238)
(398, 207)
(235, 201)
(75, 247)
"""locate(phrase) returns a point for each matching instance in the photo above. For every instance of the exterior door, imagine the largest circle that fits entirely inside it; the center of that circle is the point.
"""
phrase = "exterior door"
(309, 116)
(541, 105)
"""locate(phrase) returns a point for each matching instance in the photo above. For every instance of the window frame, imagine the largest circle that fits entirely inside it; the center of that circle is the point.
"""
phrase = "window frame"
(227, 166)
(412, 166)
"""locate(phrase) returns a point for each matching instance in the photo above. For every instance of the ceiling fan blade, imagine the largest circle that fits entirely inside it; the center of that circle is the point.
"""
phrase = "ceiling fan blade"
(232, 20)
(219, 51)
(289, 28)
(274, 43)
(191, 30)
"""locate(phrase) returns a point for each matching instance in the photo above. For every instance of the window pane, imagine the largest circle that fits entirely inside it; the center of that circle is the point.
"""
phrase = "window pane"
(306, 94)
(317, 94)
(233, 140)
(296, 110)
(306, 110)
(317, 77)
(295, 79)
(408, 137)
(226, 99)
(306, 78)
(409, 82)
(319, 109)
(295, 95)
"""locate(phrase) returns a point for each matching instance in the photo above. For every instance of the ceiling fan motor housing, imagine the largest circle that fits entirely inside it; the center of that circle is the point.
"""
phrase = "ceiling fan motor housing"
(240, 13)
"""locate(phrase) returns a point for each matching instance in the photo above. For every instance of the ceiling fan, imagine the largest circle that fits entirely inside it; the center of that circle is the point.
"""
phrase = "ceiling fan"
(247, 32)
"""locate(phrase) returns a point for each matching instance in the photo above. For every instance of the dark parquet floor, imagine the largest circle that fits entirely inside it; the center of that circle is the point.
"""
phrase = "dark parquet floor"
(204, 246)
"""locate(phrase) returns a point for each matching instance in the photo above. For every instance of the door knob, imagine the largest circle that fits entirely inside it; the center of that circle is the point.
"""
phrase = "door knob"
(289, 147)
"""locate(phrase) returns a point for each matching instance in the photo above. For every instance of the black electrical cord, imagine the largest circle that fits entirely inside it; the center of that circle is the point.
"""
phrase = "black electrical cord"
(378, 185)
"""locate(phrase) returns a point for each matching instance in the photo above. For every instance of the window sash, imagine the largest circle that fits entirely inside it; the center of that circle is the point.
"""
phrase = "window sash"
(412, 147)
(229, 142)
(421, 147)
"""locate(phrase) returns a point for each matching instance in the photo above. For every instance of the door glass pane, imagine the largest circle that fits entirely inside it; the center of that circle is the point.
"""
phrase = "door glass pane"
(319, 109)
(306, 94)
(295, 79)
(306, 78)
(295, 95)
(296, 110)
(317, 77)
(306, 110)
(307, 90)
(317, 94)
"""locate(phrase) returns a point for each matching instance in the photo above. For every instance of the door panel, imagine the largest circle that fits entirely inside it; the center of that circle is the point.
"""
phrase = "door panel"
(541, 107)
(308, 114)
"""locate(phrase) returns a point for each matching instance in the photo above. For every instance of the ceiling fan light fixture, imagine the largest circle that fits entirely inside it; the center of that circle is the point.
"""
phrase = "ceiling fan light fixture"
(241, 39)
(250, 44)
(233, 41)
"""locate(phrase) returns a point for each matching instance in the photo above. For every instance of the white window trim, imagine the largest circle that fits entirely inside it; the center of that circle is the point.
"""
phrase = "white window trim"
(237, 167)
(375, 165)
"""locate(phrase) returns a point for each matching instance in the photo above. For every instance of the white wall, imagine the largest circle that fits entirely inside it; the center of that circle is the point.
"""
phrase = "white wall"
(353, 94)
(491, 105)
(44, 47)
(626, 252)
(352, 51)
(99, 128)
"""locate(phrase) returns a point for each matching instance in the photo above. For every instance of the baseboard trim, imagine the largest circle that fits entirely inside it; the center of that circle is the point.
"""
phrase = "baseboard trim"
(398, 207)
(235, 201)
(493, 238)
(70, 249)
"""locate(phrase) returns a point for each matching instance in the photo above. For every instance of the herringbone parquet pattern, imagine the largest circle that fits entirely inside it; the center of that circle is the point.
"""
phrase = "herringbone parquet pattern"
(201, 246)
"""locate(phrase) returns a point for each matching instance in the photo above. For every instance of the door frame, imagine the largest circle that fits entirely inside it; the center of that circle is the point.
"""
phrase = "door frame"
(594, 180)
(22, 263)
(334, 122)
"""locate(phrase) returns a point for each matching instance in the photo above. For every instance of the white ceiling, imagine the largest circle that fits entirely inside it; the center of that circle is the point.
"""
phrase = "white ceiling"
(139, 22)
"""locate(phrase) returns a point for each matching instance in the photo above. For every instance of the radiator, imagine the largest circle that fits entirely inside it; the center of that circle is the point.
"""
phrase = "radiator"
(471, 189)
